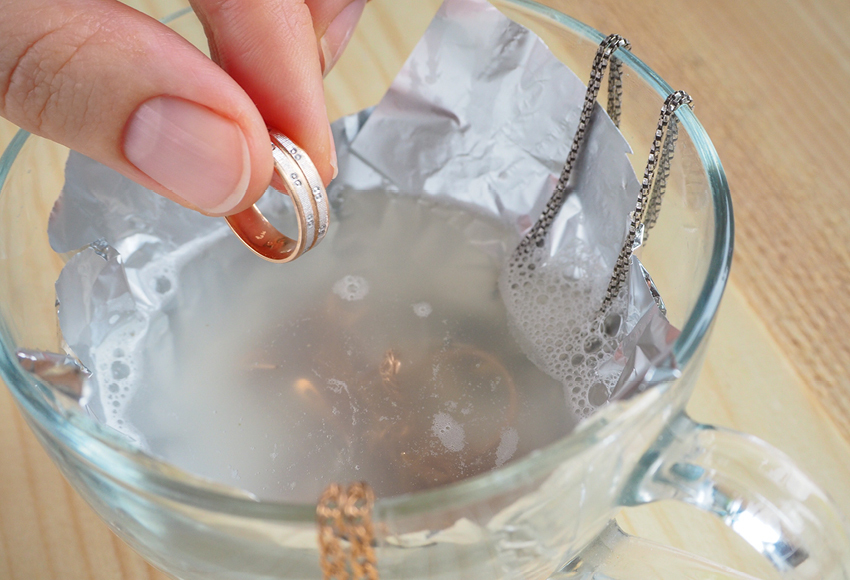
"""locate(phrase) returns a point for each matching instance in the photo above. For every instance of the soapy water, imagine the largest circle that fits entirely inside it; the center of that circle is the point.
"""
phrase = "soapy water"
(351, 288)
(119, 376)
(507, 446)
(394, 354)
(448, 431)
(554, 307)
(422, 309)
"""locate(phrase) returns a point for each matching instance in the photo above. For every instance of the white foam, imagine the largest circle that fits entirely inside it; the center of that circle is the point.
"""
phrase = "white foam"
(338, 386)
(118, 376)
(554, 307)
(449, 432)
(422, 309)
(351, 288)
(507, 446)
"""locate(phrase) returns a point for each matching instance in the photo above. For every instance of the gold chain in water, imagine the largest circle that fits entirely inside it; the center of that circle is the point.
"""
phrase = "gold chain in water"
(331, 525)
(347, 513)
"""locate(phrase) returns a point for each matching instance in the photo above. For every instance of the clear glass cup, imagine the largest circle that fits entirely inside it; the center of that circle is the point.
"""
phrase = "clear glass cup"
(549, 514)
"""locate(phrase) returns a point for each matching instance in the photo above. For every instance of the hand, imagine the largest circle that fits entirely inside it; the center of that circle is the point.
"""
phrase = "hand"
(122, 88)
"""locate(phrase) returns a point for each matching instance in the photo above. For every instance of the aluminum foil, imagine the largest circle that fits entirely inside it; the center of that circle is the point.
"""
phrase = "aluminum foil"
(63, 373)
(481, 114)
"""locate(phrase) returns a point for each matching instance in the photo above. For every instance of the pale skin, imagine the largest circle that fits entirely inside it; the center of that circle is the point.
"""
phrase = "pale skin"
(118, 86)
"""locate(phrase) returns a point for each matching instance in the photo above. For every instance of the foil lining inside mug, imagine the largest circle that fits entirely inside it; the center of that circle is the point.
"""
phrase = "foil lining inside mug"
(480, 118)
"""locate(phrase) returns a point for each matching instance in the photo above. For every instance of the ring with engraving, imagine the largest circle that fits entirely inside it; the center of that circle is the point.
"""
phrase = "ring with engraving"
(317, 188)
(298, 178)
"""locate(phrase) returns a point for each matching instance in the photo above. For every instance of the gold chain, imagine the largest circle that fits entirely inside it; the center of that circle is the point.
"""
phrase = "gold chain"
(331, 526)
(347, 513)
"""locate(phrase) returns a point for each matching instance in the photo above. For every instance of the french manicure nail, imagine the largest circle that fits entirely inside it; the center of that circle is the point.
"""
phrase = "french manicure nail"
(339, 32)
(191, 151)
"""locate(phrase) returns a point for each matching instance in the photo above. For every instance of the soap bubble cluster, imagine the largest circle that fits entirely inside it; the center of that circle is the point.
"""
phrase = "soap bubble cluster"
(422, 309)
(118, 376)
(449, 432)
(351, 288)
(508, 444)
(554, 305)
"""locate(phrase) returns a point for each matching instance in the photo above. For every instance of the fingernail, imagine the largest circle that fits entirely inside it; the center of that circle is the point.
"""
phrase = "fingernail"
(193, 152)
(338, 34)
(334, 161)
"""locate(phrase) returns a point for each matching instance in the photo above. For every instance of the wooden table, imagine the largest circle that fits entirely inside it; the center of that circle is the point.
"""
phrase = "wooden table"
(772, 79)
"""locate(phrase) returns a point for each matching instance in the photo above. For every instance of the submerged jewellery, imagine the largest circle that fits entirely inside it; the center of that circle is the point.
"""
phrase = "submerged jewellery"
(302, 183)
(346, 514)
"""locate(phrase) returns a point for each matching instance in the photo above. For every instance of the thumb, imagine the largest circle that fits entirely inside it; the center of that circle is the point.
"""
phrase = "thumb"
(120, 87)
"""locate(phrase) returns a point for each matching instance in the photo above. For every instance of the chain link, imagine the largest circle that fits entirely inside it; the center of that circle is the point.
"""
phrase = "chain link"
(358, 518)
(636, 217)
(615, 91)
(347, 514)
(661, 177)
(331, 528)
(537, 235)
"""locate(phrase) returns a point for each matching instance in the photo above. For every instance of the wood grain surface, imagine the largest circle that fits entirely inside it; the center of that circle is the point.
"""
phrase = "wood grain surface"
(771, 78)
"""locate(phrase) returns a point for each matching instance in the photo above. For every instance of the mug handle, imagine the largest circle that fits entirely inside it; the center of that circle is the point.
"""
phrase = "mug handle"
(753, 488)
(615, 555)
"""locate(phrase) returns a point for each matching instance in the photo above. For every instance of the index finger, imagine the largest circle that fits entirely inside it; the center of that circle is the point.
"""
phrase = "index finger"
(269, 48)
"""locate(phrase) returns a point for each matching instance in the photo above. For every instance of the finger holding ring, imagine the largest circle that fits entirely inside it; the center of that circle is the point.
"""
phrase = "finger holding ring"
(301, 182)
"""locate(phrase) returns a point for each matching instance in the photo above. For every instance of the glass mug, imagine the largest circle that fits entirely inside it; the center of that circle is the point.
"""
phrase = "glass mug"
(549, 514)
